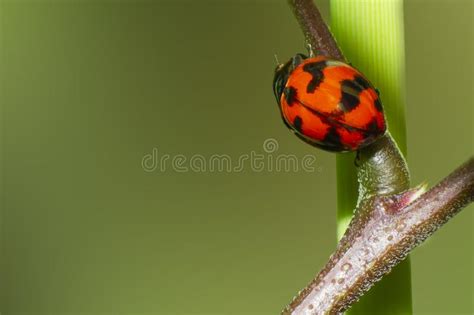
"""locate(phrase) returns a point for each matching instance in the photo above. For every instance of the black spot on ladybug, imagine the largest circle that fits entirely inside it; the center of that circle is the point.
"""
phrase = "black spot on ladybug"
(378, 105)
(290, 95)
(359, 84)
(316, 70)
(350, 95)
(372, 127)
(333, 138)
(298, 123)
(362, 82)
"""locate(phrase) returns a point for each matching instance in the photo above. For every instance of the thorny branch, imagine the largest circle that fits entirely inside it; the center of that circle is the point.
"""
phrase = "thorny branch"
(389, 220)
(384, 230)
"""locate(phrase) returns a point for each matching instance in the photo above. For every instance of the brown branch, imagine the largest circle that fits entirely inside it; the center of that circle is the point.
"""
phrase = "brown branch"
(315, 30)
(383, 232)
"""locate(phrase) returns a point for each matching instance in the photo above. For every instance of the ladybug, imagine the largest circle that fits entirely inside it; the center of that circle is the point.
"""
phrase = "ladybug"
(328, 103)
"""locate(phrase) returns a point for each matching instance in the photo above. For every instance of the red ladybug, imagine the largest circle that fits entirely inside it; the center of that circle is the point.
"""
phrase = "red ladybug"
(328, 103)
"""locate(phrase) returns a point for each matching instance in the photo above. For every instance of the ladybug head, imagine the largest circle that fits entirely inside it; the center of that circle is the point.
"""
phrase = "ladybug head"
(282, 73)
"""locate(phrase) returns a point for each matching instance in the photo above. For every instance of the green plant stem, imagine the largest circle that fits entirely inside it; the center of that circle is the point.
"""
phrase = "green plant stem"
(370, 32)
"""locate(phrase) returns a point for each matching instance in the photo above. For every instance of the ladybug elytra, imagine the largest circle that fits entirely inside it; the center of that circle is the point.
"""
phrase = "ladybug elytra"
(328, 103)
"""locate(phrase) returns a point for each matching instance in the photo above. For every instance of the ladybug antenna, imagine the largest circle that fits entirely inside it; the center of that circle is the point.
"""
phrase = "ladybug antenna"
(276, 59)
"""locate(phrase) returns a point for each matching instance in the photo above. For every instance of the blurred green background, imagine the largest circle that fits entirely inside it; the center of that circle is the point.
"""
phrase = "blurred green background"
(88, 88)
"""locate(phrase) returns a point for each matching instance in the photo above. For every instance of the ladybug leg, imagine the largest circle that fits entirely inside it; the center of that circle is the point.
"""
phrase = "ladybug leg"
(357, 159)
(310, 50)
